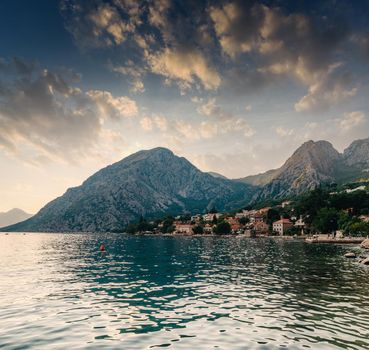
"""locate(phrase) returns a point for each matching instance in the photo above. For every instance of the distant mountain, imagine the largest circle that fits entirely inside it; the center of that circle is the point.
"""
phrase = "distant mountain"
(13, 216)
(312, 164)
(148, 183)
(260, 179)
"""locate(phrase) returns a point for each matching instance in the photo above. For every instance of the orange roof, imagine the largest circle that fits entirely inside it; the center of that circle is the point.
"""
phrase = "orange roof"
(283, 221)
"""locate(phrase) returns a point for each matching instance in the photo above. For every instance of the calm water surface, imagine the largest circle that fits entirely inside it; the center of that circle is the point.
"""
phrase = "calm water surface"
(58, 292)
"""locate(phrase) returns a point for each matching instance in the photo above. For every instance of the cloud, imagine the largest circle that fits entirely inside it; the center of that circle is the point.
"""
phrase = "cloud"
(97, 24)
(222, 121)
(184, 66)
(156, 121)
(42, 114)
(352, 120)
(283, 132)
(237, 28)
(136, 74)
(285, 45)
(330, 89)
(108, 106)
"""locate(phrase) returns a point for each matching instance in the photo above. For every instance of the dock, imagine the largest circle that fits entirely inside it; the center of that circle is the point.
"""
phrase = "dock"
(350, 240)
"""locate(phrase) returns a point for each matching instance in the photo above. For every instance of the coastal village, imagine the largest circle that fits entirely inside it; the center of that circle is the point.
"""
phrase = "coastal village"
(252, 223)
(321, 213)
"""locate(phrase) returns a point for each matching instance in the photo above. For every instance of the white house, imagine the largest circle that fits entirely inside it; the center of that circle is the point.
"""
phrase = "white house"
(282, 225)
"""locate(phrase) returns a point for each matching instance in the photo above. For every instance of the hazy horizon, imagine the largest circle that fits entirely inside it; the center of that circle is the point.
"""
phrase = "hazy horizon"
(233, 86)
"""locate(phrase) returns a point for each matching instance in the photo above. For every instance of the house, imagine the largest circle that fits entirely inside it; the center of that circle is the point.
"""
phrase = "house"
(364, 218)
(264, 211)
(235, 227)
(208, 229)
(210, 216)
(184, 228)
(196, 218)
(231, 220)
(300, 223)
(261, 227)
(360, 188)
(257, 217)
(282, 225)
(240, 215)
(285, 204)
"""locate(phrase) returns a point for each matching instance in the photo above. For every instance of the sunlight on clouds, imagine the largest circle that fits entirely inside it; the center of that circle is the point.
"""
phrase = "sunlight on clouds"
(184, 66)
(43, 118)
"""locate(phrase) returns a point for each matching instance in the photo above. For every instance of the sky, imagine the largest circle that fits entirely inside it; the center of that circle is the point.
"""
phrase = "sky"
(233, 86)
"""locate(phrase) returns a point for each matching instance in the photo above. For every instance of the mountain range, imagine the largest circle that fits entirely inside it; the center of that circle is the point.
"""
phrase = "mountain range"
(13, 216)
(154, 183)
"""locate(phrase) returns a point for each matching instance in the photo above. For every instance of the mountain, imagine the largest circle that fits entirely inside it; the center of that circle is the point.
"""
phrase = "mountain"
(357, 154)
(217, 175)
(13, 216)
(148, 183)
(310, 165)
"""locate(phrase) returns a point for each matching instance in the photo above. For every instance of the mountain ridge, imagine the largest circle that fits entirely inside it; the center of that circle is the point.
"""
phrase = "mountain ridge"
(148, 183)
(156, 182)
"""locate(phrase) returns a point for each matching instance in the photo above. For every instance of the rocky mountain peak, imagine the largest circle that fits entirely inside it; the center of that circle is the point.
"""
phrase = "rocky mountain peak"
(148, 183)
(357, 153)
(319, 155)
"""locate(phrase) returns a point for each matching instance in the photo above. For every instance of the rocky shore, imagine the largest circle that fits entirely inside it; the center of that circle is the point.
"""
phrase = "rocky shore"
(361, 258)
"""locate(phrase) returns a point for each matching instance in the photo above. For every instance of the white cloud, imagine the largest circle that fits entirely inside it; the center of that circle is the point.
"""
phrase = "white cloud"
(109, 106)
(43, 117)
(221, 121)
(328, 89)
(98, 24)
(352, 120)
(283, 132)
(184, 66)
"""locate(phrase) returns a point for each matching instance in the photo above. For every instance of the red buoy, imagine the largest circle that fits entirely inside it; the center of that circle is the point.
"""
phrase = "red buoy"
(102, 248)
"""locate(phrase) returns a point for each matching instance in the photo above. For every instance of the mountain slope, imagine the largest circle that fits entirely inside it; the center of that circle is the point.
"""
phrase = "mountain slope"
(13, 216)
(148, 183)
(310, 165)
(217, 175)
(357, 154)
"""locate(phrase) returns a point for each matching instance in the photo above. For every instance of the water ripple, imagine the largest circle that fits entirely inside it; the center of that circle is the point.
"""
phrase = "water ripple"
(58, 291)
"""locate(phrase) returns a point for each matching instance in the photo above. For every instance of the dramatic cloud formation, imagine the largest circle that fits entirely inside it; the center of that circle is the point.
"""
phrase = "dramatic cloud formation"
(40, 110)
(184, 66)
(265, 43)
(235, 85)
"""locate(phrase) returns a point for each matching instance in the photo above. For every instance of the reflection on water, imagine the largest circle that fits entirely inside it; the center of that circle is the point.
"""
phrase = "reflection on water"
(57, 291)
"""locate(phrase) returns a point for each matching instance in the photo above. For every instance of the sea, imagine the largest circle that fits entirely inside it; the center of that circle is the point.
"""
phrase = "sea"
(58, 291)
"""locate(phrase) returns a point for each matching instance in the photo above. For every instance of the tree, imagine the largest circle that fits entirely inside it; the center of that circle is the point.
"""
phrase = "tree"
(326, 220)
(213, 210)
(222, 228)
(131, 228)
(244, 220)
(198, 230)
(272, 215)
(358, 228)
(344, 220)
(168, 225)
(215, 220)
(310, 203)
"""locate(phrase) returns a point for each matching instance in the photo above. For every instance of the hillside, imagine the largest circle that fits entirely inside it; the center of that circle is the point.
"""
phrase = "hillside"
(147, 183)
